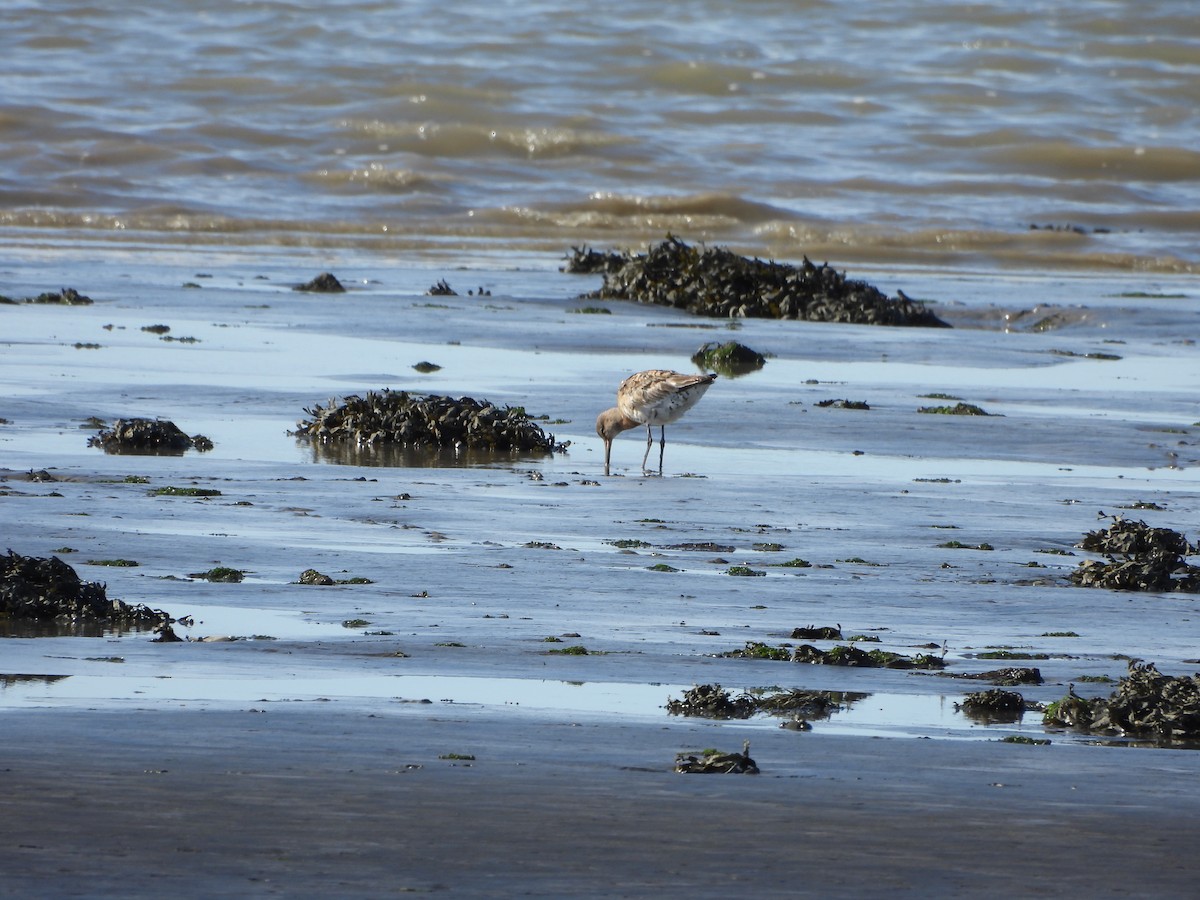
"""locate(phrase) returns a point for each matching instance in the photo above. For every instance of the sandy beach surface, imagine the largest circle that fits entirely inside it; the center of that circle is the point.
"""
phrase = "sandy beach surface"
(416, 732)
(318, 802)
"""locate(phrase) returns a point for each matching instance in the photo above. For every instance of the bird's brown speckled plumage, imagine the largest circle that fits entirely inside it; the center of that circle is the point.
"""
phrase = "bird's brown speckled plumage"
(654, 397)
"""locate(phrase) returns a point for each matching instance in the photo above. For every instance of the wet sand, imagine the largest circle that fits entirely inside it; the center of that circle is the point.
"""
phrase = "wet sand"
(320, 803)
(301, 759)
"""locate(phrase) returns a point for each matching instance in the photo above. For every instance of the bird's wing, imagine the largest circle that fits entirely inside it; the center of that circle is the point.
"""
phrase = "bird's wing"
(654, 387)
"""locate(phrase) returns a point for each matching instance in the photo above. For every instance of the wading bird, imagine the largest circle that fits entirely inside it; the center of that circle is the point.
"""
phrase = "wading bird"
(654, 397)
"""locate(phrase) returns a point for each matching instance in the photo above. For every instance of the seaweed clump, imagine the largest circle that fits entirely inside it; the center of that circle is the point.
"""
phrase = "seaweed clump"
(1139, 558)
(840, 655)
(714, 762)
(846, 655)
(730, 359)
(149, 436)
(65, 297)
(818, 633)
(325, 283)
(1146, 703)
(958, 409)
(715, 281)
(401, 418)
(995, 705)
(711, 701)
(1008, 677)
(40, 589)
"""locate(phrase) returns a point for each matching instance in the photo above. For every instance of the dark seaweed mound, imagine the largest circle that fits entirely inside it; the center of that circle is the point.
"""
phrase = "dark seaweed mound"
(403, 419)
(714, 762)
(1140, 558)
(65, 297)
(147, 436)
(325, 283)
(714, 281)
(711, 701)
(1145, 703)
(994, 705)
(48, 590)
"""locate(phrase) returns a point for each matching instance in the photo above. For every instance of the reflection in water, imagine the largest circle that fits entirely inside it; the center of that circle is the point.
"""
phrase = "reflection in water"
(38, 628)
(7, 681)
(397, 457)
(120, 450)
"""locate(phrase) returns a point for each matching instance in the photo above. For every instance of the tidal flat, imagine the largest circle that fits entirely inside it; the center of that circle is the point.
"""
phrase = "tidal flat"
(467, 574)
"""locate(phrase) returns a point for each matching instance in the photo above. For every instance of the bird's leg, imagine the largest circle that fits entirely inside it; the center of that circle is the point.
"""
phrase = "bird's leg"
(662, 446)
(649, 444)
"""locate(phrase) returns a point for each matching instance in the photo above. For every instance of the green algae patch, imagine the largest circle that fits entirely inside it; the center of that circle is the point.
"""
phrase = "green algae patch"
(628, 543)
(759, 650)
(220, 574)
(172, 491)
(958, 409)
(1023, 739)
(744, 572)
(115, 563)
(313, 577)
(573, 650)
(959, 545)
(1011, 654)
(730, 359)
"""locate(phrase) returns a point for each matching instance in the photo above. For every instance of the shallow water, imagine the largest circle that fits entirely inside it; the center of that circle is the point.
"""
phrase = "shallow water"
(475, 562)
(907, 132)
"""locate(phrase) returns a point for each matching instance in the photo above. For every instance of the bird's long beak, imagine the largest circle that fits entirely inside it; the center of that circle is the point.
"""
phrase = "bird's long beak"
(607, 454)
